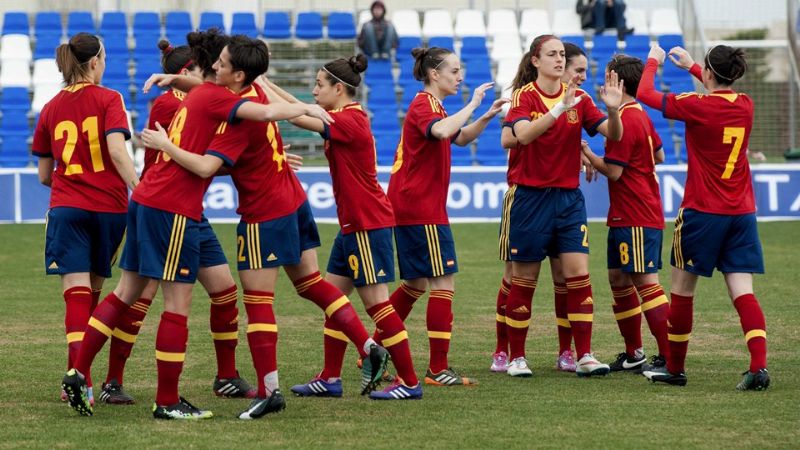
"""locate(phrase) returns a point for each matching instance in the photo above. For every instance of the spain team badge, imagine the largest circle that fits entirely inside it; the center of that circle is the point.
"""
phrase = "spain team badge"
(572, 116)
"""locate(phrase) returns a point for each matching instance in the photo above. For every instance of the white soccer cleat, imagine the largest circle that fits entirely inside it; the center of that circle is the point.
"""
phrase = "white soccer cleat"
(519, 368)
(588, 366)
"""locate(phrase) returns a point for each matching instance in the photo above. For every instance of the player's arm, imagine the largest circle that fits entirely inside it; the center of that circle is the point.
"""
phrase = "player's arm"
(280, 111)
(611, 94)
(647, 93)
(204, 166)
(279, 92)
(611, 170)
(507, 139)
(473, 130)
(684, 60)
(450, 125)
(183, 83)
(277, 95)
(121, 159)
(658, 156)
(46, 166)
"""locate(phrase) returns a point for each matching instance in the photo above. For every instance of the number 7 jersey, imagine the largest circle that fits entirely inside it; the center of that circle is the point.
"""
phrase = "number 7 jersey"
(718, 129)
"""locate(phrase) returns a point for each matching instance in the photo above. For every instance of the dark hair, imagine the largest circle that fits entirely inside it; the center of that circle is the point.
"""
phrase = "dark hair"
(378, 3)
(427, 59)
(346, 71)
(726, 63)
(251, 56)
(175, 59)
(526, 72)
(206, 47)
(571, 50)
(629, 70)
(72, 57)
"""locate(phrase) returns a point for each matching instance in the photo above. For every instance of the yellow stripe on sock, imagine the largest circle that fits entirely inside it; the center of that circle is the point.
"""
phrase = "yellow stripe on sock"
(755, 334)
(580, 317)
(438, 335)
(123, 336)
(335, 334)
(397, 338)
(170, 357)
(226, 336)
(76, 336)
(629, 313)
(265, 327)
(100, 326)
(499, 318)
(563, 322)
(333, 307)
(658, 301)
(678, 337)
(517, 323)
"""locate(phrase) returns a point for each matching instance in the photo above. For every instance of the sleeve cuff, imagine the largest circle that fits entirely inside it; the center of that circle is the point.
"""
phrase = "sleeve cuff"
(429, 130)
(232, 116)
(227, 162)
(326, 131)
(42, 155)
(126, 132)
(592, 130)
(615, 162)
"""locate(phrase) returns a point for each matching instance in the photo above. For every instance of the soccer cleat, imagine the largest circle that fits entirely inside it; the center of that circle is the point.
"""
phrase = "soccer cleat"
(113, 394)
(387, 376)
(398, 391)
(318, 387)
(588, 366)
(565, 362)
(655, 362)
(624, 362)
(754, 381)
(662, 375)
(373, 367)
(74, 384)
(89, 392)
(499, 362)
(260, 407)
(236, 387)
(448, 377)
(183, 410)
(519, 368)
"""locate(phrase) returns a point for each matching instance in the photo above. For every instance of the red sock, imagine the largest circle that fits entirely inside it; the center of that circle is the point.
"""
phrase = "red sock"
(123, 338)
(395, 339)
(754, 327)
(402, 299)
(262, 335)
(99, 329)
(628, 314)
(334, 344)
(580, 308)
(678, 331)
(562, 322)
(655, 307)
(224, 323)
(336, 306)
(78, 302)
(171, 341)
(500, 325)
(518, 314)
(95, 299)
(439, 320)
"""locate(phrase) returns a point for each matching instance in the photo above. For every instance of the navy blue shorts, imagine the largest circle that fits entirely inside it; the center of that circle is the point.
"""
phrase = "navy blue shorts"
(82, 241)
(634, 249)
(703, 241)
(211, 253)
(546, 222)
(161, 245)
(366, 257)
(277, 242)
(505, 224)
(425, 251)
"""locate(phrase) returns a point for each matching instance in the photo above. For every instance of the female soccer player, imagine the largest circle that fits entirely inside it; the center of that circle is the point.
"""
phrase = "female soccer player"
(576, 65)
(84, 127)
(716, 225)
(362, 254)
(418, 192)
(546, 212)
(636, 223)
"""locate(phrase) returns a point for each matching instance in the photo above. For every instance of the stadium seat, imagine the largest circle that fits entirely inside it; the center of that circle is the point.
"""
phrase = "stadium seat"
(277, 25)
(113, 23)
(42, 94)
(603, 47)
(386, 146)
(636, 18)
(341, 26)
(488, 151)
(576, 39)
(384, 121)
(144, 69)
(15, 152)
(244, 23)
(506, 46)
(437, 22)
(78, 21)
(177, 24)
(453, 103)
(410, 91)
(443, 42)
(116, 45)
(566, 22)
(501, 22)
(146, 23)
(534, 22)
(308, 25)
(382, 96)
(15, 98)
(597, 143)
(379, 72)
(16, 22)
(46, 46)
(667, 41)
(506, 71)
(665, 21)
(473, 47)
(406, 23)
(636, 45)
(211, 19)
(461, 156)
(15, 73)
(479, 71)
(116, 69)
(405, 45)
(15, 123)
(45, 71)
(15, 47)
(469, 22)
(48, 23)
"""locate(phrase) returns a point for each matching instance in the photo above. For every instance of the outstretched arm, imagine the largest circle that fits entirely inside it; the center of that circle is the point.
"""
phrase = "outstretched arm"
(450, 125)
(201, 165)
(611, 171)
(470, 132)
(681, 58)
(647, 93)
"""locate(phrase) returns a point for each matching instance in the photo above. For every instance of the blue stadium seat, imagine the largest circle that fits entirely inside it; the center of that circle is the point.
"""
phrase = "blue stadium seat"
(48, 23)
(46, 45)
(479, 71)
(341, 26)
(386, 146)
(277, 25)
(442, 41)
(603, 47)
(146, 48)
(244, 23)
(473, 47)
(453, 103)
(16, 22)
(578, 40)
(177, 24)
(384, 121)
(404, 46)
(144, 69)
(488, 151)
(597, 143)
(14, 152)
(637, 44)
(116, 45)
(461, 156)
(78, 21)
(113, 23)
(15, 99)
(308, 25)
(409, 92)
(116, 69)
(146, 23)
(15, 123)
(382, 96)
(211, 19)
(378, 72)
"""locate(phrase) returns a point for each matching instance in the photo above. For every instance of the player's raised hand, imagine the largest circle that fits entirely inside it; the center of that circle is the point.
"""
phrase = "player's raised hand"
(159, 79)
(318, 112)
(479, 93)
(569, 96)
(611, 92)
(657, 53)
(681, 57)
(496, 107)
(157, 138)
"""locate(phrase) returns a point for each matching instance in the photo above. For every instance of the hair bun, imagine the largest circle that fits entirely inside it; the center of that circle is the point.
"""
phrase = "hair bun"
(358, 63)
(419, 52)
(164, 46)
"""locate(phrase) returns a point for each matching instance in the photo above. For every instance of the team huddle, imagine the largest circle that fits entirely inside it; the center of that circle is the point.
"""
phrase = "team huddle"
(219, 116)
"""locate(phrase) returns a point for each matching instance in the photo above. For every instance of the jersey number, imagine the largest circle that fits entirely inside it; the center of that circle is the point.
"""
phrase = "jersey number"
(68, 130)
(585, 231)
(623, 253)
(352, 260)
(175, 130)
(240, 256)
(735, 136)
(277, 153)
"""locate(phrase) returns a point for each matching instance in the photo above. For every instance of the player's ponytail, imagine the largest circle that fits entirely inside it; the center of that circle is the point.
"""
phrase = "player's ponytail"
(346, 71)
(206, 47)
(427, 59)
(73, 57)
(728, 64)
(175, 59)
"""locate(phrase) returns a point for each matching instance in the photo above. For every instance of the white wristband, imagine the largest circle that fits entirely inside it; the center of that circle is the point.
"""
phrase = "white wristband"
(558, 110)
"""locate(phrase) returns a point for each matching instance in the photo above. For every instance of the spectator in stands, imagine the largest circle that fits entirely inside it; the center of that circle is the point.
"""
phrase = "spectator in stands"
(603, 14)
(378, 36)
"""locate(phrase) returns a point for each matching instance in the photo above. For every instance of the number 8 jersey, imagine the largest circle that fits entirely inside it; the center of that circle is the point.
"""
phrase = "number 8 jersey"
(718, 129)
(72, 129)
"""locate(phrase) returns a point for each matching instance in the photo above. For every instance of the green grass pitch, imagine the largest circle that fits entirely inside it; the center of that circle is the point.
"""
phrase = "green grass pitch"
(551, 409)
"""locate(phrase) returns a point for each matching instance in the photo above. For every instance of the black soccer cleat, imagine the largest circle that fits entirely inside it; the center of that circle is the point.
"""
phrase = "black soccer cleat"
(74, 385)
(373, 367)
(113, 394)
(183, 410)
(754, 381)
(627, 363)
(260, 407)
(655, 362)
(662, 375)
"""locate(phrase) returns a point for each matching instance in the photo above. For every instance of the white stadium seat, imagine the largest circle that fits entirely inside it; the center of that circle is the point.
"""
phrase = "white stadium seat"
(16, 73)
(45, 72)
(469, 22)
(502, 21)
(637, 19)
(534, 22)
(566, 22)
(506, 46)
(15, 47)
(406, 23)
(437, 23)
(665, 21)
(506, 70)
(42, 94)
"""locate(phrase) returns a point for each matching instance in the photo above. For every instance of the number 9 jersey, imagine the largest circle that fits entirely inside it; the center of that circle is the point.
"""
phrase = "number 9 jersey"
(72, 129)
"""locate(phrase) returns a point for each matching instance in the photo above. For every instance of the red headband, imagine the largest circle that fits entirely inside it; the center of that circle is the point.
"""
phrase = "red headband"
(539, 45)
(186, 66)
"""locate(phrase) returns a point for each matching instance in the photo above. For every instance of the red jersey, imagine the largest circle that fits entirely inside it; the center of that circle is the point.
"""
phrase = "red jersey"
(635, 198)
(267, 186)
(361, 204)
(421, 171)
(718, 129)
(162, 111)
(168, 186)
(72, 129)
(554, 158)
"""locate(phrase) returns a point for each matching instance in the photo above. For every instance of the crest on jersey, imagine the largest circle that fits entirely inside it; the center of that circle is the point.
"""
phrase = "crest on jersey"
(572, 116)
